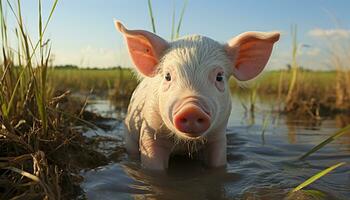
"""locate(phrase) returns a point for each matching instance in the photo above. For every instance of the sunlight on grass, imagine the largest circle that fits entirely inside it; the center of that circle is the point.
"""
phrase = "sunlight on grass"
(326, 141)
(317, 176)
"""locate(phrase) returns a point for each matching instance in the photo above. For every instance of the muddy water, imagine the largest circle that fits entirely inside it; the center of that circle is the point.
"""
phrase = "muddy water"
(261, 164)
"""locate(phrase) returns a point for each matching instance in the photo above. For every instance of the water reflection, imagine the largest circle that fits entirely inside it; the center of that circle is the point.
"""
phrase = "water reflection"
(186, 179)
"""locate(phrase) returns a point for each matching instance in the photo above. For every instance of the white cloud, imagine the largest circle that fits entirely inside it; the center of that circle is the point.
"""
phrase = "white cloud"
(313, 52)
(94, 56)
(329, 33)
(309, 51)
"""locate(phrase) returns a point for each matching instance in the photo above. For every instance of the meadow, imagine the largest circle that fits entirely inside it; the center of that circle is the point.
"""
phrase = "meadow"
(43, 148)
(97, 81)
(315, 91)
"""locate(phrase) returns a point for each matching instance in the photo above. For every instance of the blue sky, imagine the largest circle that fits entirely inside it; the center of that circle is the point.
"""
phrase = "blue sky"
(82, 31)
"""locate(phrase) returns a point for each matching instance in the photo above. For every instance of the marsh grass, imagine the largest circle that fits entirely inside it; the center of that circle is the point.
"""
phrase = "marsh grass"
(37, 137)
(330, 93)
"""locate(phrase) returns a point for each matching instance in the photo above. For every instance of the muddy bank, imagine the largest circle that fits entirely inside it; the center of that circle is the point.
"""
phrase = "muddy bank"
(45, 164)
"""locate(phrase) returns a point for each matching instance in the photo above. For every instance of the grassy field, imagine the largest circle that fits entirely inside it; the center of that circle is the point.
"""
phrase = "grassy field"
(314, 91)
(101, 81)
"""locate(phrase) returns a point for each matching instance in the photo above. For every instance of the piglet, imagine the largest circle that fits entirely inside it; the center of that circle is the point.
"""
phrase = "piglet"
(182, 103)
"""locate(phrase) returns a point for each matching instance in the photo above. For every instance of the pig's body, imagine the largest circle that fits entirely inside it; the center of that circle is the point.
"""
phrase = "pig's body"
(182, 104)
(147, 133)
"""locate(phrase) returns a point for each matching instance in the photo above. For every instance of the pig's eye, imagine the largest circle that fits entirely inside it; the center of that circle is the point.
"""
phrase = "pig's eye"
(168, 77)
(220, 77)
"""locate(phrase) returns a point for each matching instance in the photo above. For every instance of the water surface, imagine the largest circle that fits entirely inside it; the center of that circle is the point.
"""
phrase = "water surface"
(261, 164)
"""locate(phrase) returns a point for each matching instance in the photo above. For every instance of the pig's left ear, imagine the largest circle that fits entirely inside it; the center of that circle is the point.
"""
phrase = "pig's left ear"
(249, 53)
(145, 48)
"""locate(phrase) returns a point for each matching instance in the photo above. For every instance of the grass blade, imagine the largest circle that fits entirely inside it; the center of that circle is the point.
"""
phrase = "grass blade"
(325, 142)
(50, 16)
(317, 176)
(11, 102)
(151, 15)
(181, 17)
(3, 27)
(173, 24)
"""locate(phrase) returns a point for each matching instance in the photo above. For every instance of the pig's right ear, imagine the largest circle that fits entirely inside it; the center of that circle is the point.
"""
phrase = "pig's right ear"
(249, 53)
(145, 48)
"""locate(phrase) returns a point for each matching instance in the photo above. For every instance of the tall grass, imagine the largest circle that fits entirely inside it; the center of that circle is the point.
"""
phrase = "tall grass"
(36, 131)
(21, 79)
(23, 102)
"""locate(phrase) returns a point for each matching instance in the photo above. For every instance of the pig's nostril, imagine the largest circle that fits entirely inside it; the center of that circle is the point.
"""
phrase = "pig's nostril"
(183, 120)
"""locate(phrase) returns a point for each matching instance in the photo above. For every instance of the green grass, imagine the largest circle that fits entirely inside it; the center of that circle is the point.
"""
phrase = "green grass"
(83, 80)
(116, 83)
(100, 79)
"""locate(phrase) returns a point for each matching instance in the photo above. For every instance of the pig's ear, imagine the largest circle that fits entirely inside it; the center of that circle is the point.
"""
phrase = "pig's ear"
(249, 53)
(145, 48)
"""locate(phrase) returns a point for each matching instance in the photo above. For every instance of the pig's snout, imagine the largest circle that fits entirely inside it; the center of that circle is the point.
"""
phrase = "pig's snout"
(192, 120)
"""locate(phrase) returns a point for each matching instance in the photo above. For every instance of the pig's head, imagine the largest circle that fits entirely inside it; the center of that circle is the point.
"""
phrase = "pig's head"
(192, 75)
